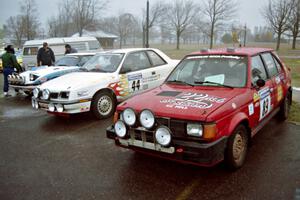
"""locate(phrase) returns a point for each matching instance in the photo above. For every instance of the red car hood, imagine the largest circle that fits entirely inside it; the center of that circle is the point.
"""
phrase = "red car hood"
(181, 102)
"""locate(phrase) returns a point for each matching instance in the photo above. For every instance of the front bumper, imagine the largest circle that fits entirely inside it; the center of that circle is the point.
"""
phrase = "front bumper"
(70, 107)
(191, 152)
(25, 88)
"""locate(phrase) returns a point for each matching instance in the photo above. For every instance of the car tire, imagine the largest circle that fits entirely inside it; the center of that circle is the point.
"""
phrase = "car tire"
(103, 105)
(237, 147)
(285, 107)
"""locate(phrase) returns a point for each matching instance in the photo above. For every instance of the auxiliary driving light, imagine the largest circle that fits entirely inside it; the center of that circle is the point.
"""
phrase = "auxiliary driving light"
(129, 116)
(36, 92)
(59, 107)
(147, 119)
(163, 136)
(51, 107)
(120, 128)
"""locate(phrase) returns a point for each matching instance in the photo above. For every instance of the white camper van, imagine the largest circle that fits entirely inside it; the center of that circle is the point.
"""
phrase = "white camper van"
(81, 44)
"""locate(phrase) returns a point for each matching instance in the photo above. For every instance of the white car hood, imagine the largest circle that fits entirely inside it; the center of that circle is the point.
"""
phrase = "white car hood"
(77, 80)
(48, 70)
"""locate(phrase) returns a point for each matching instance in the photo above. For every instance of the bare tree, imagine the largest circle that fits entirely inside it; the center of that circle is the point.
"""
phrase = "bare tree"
(125, 24)
(180, 14)
(277, 13)
(156, 13)
(294, 23)
(15, 28)
(218, 11)
(85, 12)
(62, 25)
(30, 19)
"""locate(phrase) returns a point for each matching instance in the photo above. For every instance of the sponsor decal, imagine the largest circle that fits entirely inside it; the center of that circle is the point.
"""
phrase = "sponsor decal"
(233, 105)
(120, 88)
(251, 109)
(265, 102)
(215, 56)
(277, 80)
(133, 77)
(192, 100)
(151, 78)
(279, 93)
(256, 97)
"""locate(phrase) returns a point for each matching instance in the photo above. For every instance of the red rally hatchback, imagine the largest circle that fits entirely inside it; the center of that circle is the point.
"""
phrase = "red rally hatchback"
(208, 109)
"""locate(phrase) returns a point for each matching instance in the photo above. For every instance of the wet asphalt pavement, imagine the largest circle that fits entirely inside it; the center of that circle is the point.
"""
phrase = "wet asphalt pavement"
(45, 157)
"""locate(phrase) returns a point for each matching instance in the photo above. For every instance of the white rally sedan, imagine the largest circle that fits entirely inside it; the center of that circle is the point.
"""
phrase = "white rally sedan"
(28, 80)
(110, 77)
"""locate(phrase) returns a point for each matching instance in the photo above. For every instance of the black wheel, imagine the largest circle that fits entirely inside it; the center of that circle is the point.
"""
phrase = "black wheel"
(285, 107)
(237, 147)
(103, 105)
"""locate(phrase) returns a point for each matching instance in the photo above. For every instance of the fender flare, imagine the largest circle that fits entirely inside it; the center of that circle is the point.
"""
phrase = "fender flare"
(239, 118)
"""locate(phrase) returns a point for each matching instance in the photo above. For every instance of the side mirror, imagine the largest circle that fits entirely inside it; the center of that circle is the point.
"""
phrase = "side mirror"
(260, 83)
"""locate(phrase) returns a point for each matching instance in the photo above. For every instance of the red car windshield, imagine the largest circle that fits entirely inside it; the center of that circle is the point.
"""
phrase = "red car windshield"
(214, 70)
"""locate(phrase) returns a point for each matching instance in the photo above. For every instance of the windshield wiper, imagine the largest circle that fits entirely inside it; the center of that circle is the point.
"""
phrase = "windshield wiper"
(210, 82)
(180, 82)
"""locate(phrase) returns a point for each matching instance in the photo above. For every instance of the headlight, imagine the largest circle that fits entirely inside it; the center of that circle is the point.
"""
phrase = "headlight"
(163, 136)
(51, 107)
(46, 94)
(194, 130)
(147, 119)
(59, 107)
(31, 77)
(129, 116)
(36, 92)
(34, 104)
(120, 129)
(83, 93)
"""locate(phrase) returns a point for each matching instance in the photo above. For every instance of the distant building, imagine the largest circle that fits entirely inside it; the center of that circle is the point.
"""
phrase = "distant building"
(106, 39)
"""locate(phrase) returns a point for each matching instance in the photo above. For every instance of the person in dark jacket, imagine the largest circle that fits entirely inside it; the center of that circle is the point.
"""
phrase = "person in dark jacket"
(45, 56)
(9, 63)
(69, 49)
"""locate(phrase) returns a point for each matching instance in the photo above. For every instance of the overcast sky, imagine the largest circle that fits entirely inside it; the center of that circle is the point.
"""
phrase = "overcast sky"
(248, 10)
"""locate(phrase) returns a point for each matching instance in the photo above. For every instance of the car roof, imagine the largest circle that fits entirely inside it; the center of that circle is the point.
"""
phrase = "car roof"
(127, 50)
(81, 54)
(245, 51)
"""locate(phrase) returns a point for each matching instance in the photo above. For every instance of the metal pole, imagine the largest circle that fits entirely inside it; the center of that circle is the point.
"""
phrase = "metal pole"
(147, 25)
(245, 35)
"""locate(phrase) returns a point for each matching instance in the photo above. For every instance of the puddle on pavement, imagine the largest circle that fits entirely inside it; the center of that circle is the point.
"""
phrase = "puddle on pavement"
(18, 112)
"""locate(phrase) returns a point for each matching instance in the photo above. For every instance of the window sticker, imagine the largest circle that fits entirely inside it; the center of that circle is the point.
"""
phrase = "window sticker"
(216, 78)
(251, 109)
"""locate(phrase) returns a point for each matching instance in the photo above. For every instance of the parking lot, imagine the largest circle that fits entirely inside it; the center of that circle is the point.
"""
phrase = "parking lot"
(47, 157)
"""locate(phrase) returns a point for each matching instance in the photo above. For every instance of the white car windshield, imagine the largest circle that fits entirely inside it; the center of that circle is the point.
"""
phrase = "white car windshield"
(106, 62)
(212, 70)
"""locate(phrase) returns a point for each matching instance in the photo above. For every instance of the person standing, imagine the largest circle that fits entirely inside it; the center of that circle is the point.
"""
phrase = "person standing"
(45, 56)
(69, 49)
(10, 63)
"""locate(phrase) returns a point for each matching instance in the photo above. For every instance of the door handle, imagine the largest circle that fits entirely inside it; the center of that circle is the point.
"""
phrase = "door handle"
(153, 73)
